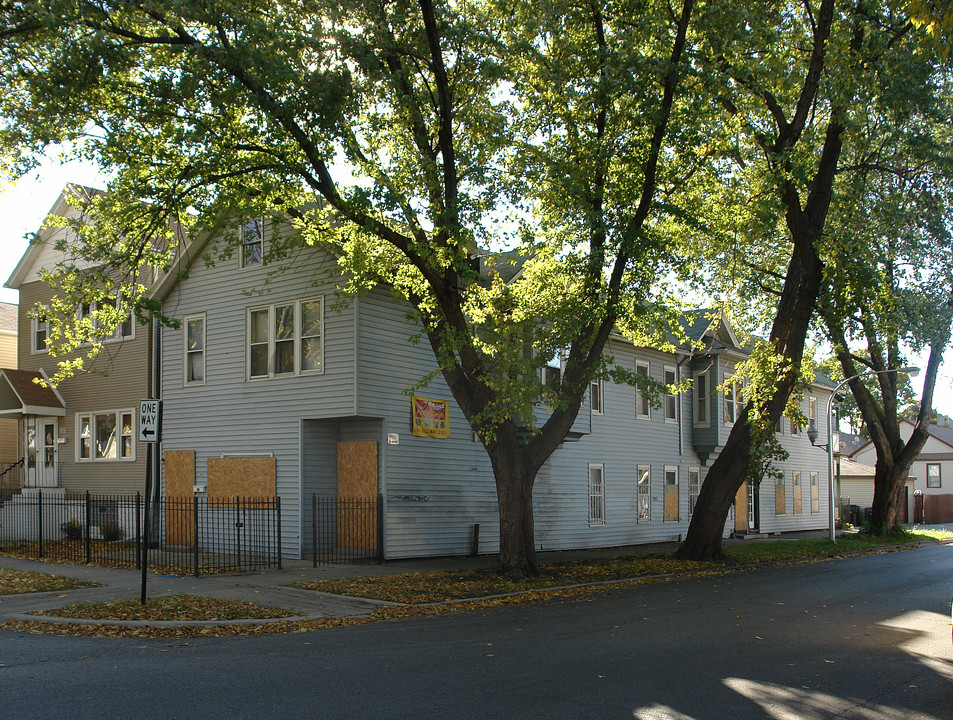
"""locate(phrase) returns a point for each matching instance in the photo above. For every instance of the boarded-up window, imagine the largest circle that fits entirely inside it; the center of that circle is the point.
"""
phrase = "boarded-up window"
(671, 494)
(248, 477)
(779, 495)
(815, 494)
(796, 489)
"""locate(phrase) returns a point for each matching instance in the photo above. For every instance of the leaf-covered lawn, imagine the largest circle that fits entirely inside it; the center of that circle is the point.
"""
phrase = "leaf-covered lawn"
(170, 607)
(442, 586)
(14, 582)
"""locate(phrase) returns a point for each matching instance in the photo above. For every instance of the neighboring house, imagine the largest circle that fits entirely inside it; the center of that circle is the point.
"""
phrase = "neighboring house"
(81, 436)
(855, 488)
(8, 426)
(273, 385)
(929, 487)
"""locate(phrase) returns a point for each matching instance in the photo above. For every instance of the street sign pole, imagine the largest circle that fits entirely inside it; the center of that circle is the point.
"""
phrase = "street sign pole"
(150, 428)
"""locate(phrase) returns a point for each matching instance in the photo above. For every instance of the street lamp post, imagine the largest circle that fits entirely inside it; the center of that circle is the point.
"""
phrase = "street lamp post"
(812, 435)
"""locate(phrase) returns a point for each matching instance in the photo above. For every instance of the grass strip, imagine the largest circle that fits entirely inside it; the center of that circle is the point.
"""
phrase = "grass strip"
(181, 608)
(17, 582)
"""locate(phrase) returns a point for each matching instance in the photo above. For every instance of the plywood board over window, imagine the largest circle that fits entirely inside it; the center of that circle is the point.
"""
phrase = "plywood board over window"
(247, 477)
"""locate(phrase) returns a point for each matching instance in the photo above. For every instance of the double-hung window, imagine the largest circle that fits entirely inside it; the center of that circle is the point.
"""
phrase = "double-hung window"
(40, 335)
(933, 475)
(91, 313)
(671, 400)
(105, 436)
(701, 399)
(812, 413)
(595, 397)
(194, 329)
(694, 486)
(253, 242)
(644, 493)
(733, 399)
(641, 393)
(597, 495)
(285, 339)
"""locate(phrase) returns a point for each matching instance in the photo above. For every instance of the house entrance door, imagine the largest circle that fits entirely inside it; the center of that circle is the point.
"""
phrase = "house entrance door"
(741, 509)
(42, 454)
(357, 494)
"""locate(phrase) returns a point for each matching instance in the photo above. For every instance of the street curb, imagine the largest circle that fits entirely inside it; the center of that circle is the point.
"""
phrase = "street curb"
(54, 620)
(634, 580)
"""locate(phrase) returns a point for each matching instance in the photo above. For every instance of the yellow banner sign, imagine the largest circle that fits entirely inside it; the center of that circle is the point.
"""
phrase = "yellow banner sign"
(431, 417)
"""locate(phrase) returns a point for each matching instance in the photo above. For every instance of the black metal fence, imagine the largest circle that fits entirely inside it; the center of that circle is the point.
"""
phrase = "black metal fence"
(345, 530)
(193, 534)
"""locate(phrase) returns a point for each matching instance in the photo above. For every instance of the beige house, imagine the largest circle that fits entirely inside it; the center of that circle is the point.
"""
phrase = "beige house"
(82, 436)
(8, 426)
(930, 482)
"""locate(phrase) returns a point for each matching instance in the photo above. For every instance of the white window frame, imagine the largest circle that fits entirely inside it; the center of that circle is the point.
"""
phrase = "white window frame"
(272, 341)
(671, 399)
(36, 326)
(701, 399)
(243, 255)
(671, 470)
(939, 475)
(596, 397)
(815, 493)
(643, 408)
(734, 398)
(188, 353)
(121, 453)
(118, 333)
(597, 495)
(694, 487)
(643, 482)
(812, 412)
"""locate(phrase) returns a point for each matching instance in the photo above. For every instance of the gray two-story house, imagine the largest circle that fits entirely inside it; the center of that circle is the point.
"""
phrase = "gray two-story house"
(274, 385)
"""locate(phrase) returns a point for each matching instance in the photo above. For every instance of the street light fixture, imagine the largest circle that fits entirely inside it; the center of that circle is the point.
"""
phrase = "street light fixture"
(812, 435)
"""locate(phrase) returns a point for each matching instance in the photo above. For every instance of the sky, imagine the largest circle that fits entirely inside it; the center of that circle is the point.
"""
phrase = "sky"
(25, 204)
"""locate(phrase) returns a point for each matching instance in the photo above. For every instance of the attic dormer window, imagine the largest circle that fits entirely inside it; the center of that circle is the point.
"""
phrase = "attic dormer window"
(253, 238)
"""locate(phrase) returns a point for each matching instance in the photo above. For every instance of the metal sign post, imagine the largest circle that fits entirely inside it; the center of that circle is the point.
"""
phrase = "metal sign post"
(150, 427)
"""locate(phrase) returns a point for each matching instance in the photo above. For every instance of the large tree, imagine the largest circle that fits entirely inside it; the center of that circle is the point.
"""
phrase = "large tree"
(892, 294)
(405, 135)
(795, 93)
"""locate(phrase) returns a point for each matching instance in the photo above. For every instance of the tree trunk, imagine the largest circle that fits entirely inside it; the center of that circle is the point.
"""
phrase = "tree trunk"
(889, 482)
(730, 469)
(514, 493)
(703, 540)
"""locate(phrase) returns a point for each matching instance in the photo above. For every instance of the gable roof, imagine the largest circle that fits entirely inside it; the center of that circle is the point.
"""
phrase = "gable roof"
(852, 468)
(20, 395)
(61, 208)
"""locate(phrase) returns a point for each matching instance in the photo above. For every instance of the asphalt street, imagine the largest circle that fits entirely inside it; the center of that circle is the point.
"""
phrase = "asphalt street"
(865, 637)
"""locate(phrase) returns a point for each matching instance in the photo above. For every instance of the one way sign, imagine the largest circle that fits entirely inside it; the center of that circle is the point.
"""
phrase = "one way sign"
(150, 420)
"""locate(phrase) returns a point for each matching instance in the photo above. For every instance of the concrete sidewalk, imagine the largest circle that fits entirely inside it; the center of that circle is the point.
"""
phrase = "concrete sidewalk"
(268, 587)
